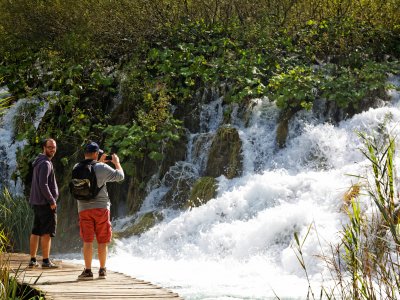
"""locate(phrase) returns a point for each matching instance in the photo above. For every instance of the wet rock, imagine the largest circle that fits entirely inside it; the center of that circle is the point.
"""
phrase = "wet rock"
(283, 126)
(199, 152)
(141, 224)
(245, 110)
(140, 173)
(225, 157)
(330, 111)
(202, 191)
(190, 112)
(180, 178)
(174, 152)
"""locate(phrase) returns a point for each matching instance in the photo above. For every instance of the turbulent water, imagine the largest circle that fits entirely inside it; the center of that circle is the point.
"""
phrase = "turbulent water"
(240, 245)
(9, 143)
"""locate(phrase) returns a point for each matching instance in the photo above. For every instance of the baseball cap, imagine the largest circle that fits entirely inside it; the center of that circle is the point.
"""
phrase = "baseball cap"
(92, 147)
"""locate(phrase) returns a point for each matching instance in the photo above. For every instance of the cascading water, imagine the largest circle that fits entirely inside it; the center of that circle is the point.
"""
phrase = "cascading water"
(238, 245)
(211, 117)
(9, 144)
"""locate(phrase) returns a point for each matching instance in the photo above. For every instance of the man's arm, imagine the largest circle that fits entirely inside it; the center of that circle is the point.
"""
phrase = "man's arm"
(115, 161)
(113, 175)
(44, 173)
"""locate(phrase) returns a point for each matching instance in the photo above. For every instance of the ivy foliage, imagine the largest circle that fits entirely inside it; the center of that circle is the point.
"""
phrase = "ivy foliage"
(294, 88)
(347, 86)
(153, 128)
(199, 55)
(149, 58)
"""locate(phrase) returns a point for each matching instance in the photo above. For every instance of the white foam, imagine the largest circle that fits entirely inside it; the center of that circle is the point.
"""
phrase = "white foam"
(9, 146)
(240, 245)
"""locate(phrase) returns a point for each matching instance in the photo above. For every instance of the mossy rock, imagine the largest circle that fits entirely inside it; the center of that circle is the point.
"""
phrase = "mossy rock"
(180, 179)
(283, 126)
(142, 224)
(282, 132)
(202, 191)
(225, 157)
(174, 152)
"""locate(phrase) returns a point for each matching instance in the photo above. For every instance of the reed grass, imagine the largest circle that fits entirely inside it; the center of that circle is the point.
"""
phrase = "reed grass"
(16, 220)
(10, 289)
(5, 101)
(365, 265)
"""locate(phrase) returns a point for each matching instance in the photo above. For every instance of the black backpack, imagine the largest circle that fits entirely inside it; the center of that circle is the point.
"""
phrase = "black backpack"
(83, 185)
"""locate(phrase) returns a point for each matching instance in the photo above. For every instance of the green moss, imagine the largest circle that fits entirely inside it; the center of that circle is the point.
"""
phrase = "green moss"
(283, 126)
(225, 156)
(203, 190)
(142, 224)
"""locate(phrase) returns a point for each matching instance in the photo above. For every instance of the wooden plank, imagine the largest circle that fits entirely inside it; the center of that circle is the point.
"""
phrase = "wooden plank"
(62, 283)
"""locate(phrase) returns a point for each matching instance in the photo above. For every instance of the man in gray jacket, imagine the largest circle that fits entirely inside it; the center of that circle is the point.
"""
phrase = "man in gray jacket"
(43, 196)
(94, 214)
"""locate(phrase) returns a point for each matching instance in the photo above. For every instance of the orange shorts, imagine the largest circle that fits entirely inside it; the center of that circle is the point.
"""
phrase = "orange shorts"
(97, 222)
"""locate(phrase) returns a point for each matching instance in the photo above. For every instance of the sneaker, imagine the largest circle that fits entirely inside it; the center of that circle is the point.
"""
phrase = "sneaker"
(33, 264)
(86, 275)
(102, 273)
(49, 265)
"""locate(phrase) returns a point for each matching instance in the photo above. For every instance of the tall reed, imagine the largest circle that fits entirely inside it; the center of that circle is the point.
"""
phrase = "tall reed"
(16, 220)
(5, 100)
(365, 265)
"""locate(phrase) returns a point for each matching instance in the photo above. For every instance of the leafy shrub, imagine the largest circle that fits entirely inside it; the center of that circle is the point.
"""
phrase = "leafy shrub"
(347, 86)
(154, 128)
(295, 88)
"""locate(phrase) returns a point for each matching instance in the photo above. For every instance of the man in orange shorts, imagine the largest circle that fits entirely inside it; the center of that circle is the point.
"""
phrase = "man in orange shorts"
(94, 213)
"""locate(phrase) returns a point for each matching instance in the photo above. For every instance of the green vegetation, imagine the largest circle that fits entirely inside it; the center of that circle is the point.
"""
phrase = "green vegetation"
(347, 86)
(16, 221)
(203, 190)
(156, 56)
(14, 235)
(126, 73)
(141, 224)
(119, 70)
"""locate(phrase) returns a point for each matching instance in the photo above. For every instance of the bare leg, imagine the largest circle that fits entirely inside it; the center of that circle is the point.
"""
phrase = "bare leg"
(102, 252)
(46, 245)
(88, 254)
(33, 244)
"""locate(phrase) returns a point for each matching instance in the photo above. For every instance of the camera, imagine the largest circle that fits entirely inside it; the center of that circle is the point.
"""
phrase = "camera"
(109, 157)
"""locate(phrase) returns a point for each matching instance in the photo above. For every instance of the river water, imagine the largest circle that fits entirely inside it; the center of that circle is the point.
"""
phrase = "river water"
(9, 143)
(240, 245)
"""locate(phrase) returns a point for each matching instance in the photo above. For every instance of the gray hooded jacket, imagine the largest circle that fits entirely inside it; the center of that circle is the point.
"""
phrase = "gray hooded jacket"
(44, 189)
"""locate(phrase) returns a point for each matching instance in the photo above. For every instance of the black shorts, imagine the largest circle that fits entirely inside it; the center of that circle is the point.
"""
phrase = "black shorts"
(45, 220)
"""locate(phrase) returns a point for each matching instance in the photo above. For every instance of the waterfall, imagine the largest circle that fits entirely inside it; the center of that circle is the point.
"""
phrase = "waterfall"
(21, 111)
(211, 118)
(238, 245)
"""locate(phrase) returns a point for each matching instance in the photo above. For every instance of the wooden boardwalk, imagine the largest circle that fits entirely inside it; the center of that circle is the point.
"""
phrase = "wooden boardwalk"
(62, 283)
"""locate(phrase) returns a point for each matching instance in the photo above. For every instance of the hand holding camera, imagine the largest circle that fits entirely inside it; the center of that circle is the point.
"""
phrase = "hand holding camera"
(103, 157)
(110, 158)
